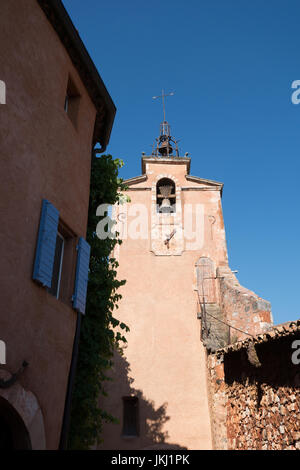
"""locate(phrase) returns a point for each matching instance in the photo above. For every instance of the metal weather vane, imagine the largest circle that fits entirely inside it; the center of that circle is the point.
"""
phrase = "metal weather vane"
(162, 96)
(163, 145)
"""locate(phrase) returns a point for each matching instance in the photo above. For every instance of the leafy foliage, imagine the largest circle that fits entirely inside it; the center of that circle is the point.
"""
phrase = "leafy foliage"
(98, 337)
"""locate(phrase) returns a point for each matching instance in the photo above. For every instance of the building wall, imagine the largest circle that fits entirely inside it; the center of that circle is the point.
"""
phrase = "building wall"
(217, 402)
(242, 308)
(164, 363)
(43, 155)
(256, 402)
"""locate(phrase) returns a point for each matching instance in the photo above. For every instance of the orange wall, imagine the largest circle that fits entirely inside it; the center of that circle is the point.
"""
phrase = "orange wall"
(42, 156)
(164, 363)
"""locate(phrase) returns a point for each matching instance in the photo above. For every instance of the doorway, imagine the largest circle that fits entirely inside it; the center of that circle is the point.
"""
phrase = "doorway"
(13, 432)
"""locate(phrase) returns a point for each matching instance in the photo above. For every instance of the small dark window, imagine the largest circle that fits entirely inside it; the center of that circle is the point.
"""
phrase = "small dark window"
(72, 100)
(166, 196)
(64, 266)
(57, 266)
(130, 417)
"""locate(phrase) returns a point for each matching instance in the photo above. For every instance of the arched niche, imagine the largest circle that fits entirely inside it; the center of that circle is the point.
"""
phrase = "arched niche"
(13, 433)
(21, 416)
(166, 196)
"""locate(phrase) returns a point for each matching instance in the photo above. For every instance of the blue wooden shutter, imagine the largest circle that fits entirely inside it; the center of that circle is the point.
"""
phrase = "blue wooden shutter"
(45, 251)
(82, 272)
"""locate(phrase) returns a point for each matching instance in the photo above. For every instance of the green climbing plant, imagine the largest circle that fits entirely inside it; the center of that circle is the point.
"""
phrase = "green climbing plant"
(99, 336)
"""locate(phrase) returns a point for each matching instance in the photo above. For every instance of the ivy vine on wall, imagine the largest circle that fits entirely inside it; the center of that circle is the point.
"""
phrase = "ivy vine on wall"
(98, 336)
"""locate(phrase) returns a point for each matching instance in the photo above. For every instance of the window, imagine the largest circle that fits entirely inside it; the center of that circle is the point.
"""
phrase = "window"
(166, 196)
(57, 265)
(72, 100)
(130, 417)
(64, 264)
(61, 262)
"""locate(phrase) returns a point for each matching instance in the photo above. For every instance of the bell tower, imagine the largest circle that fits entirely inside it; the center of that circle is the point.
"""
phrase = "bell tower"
(178, 301)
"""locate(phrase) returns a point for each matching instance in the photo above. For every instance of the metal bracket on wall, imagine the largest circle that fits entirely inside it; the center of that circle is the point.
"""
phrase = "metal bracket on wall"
(8, 383)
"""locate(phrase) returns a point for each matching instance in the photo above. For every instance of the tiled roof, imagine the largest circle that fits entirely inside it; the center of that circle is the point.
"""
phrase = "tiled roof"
(276, 332)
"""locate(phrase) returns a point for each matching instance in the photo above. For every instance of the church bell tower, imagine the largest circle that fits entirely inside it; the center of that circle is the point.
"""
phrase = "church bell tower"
(177, 302)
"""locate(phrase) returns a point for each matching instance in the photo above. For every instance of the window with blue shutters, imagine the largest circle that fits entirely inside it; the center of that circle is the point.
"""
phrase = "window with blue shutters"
(45, 251)
(82, 272)
(54, 266)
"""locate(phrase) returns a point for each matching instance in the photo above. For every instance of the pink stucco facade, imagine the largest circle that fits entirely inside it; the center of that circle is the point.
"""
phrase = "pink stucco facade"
(43, 156)
(164, 363)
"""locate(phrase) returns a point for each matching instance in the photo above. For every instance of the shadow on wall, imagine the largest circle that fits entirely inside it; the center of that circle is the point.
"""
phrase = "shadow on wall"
(275, 366)
(152, 432)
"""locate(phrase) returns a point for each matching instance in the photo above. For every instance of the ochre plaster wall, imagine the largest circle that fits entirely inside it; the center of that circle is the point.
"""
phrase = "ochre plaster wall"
(42, 156)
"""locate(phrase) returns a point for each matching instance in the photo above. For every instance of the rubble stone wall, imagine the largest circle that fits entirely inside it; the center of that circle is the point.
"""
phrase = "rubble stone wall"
(255, 405)
(241, 307)
(217, 402)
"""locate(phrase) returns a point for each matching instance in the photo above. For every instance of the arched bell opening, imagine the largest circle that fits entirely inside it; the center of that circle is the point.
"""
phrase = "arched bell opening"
(13, 432)
(166, 196)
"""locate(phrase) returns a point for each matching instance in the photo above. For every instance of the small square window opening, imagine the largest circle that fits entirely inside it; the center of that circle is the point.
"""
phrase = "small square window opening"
(130, 417)
(72, 101)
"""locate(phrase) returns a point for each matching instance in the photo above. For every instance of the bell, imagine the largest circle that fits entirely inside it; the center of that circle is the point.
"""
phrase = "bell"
(165, 148)
(165, 190)
(165, 207)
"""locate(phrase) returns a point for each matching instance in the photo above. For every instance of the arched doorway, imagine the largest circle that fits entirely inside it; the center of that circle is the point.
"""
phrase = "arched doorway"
(13, 432)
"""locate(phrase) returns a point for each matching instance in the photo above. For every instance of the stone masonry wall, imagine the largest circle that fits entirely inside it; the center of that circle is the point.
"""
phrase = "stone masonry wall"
(271, 425)
(241, 307)
(255, 393)
(217, 402)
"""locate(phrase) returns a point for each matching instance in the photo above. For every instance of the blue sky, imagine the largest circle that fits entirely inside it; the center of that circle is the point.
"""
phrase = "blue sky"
(231, 64)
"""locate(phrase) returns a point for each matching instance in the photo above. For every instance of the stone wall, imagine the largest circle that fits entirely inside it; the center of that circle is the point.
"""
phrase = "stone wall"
(217, 402)
(241, 307)
(215, 332)
(255, 393)
(238, 314)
